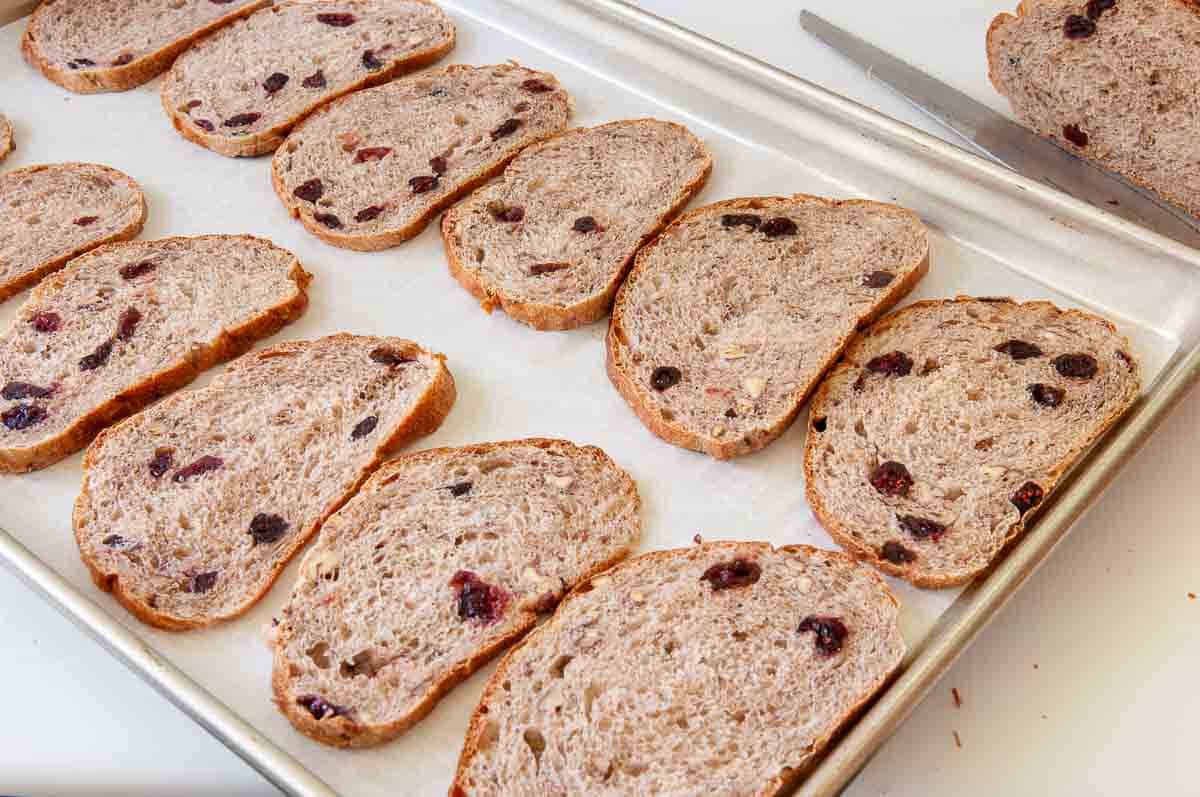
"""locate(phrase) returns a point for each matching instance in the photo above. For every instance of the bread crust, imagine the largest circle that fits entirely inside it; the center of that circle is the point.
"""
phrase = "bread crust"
(6, 140)
(546, 317)
(425, 417)
(843, 535)
(344, 732)
(269, 140)
(130, 231)
(118, 78)
(677, 434)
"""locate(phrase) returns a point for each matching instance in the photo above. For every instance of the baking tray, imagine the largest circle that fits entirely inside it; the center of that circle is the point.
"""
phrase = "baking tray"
(992, 233)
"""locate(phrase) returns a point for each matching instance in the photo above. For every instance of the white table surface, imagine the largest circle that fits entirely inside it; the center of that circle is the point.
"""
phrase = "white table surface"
(1086, 684)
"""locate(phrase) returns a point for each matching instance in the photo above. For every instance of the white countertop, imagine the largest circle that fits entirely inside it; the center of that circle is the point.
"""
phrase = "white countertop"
(1086, 684)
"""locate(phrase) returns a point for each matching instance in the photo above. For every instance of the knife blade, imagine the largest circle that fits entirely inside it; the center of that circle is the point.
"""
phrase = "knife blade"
(1002, 140)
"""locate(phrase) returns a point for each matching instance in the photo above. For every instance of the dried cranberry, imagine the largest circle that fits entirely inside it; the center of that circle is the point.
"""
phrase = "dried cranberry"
(1027, 497)
(385, 356)
(242, 119)
(1077, 27)
(266, 529)
(664, 377)
(423, 183)
(535, 86)
(478, 600)
(163, 461)
(123, 59)
(741, 220)
(80, 63)
(1046, 395)
(128, 323)
(511, 213)
(135, 270)
(819, 424)
(201, 466)
(921, 528)
(1076, 366)
(84, 221)
(773, 228)
(371, 154)
(368, 214)
(275, 82)
(22, 416)
(507, 128)
(310, 190)
(14, 391)
(585, 224)
(1095, 8)
(891, 478)
(897, 554)
(320, 708)
(731, 413)
(220, 2)
(895, 363)
(831, 632)
(370, 61)
(336, 20)
(98, 357)
(1125, 358)
(204, 125)
(438, 164)
(1019, 349)
(328, 220)
(460, 489)
(113, 540)
(202, 582)
(46, 321)
(314, 81)
(364, 427)
(737, 573)
(538, 269)
(1076, 136)
(878, 279)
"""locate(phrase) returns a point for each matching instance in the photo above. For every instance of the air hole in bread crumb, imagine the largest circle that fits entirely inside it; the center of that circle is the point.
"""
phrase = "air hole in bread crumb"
(489, 735)
(910, 427)
(860, 428)
(953, 494)
(589, 697)
(559, 665)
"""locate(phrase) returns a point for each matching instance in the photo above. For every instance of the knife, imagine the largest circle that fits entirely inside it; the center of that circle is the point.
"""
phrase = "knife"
(1006, 142)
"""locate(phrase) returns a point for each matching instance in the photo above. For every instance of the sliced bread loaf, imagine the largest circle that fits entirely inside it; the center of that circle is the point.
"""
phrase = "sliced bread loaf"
(6, 137)
(190, 509)
(241, 90)
(371, 170)
(731, 316)
(440, 561)
(1112, 82)
(948, 422)
(720, 669)
(127, 323)
(52, 213)
(89, 46)
(552, 240)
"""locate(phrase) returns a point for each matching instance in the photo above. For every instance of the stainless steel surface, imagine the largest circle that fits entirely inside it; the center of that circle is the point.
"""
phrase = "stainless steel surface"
(1004, 140)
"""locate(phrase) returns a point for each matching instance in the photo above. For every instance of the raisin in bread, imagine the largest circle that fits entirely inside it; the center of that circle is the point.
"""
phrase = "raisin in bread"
(191, 509)
(731, 316)
(52, 213)
(948, 422)
(241, 90)
(89, 46)
(468, 546)
(720, 669)
(371, 170)
(552, 240)
(6, 137)
(1112, 82)
(127, 323)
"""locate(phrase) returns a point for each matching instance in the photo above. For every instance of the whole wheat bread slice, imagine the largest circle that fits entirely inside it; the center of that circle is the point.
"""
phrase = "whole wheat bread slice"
(1113, 82)
(49, 214)
(731, 316)
(90, 46)
(948, 422)
(127, 323)
(372, 169)
(241, 90)
(6, 137)
(441, 560)
(190, 509)
(720, 669)
(551, 241)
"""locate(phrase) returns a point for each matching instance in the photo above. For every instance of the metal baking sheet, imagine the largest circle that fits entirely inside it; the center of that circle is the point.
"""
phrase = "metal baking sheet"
(992, 233)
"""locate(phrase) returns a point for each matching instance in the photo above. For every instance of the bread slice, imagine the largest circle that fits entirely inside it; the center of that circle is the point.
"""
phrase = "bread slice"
(1111, 82)
(190, 509)
(127, 323)
(241, 90)
(720, 669)
(90, 46)
(731, 316)
(948, 422)
(52, 213)
(551, 241)
(371, 170)
(6, 137)
(441, 560)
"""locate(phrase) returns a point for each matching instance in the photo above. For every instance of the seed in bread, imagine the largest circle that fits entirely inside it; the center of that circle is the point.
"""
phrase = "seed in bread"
(371, 170)
(731, 316)
(6, 137)
(443, 558)
(191, 509)
(241, 90)
(90, 46)
(52, 213)
(719, 669)
(127, 323)
(551, 241)
(948, 422)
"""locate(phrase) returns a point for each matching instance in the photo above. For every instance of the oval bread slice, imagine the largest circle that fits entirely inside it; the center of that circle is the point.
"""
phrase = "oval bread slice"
(371, 170)
(948, 422)
(440, 561)
(6, 137)
(52, 213)
(731, 316)
(241, 90)
(90, 46)
(127, 323)
(190, 509)
(720, 669)
(551, 241)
